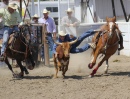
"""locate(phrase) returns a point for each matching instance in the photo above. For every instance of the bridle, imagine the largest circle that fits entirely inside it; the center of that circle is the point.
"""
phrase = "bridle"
(110, 34)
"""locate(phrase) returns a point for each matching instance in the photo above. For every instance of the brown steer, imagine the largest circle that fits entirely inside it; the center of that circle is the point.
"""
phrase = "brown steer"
(61, 58)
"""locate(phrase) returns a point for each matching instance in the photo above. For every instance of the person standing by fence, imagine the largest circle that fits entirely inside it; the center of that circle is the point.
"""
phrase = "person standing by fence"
(70, 21)
(51, 27)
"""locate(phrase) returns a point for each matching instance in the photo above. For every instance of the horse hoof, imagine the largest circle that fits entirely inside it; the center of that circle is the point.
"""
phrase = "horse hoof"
(105, 72)
(63, 76)
(26, 72)
(17, 76)
(90, 76)
(30, 67)
(55, 77)
(90, 66)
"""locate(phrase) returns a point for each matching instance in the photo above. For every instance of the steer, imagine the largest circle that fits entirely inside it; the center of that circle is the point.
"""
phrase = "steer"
(61, 58)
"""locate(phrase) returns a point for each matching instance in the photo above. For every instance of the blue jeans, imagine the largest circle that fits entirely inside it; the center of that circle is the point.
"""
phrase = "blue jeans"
(50, 42)
(7, 32)
(42, 52)
(80, 39)
(1, 33)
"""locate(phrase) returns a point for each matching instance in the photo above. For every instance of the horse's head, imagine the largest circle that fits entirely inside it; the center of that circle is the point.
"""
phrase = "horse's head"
(26, 33)
(111, 25)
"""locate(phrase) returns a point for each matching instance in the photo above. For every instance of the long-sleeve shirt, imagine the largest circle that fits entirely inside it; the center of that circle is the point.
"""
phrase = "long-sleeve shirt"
(67, 39)
(70, 20)
(10, 19)
(2, 5)
(51, 27)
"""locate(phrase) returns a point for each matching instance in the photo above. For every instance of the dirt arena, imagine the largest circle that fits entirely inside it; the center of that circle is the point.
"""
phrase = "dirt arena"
(39, 84)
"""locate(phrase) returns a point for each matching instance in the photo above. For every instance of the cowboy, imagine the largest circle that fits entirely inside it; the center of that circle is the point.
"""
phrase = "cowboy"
(12, 21)
(51, 27)
(69, 20)
(64, 37)
(34, 29)
(4, 4)
(35, 18)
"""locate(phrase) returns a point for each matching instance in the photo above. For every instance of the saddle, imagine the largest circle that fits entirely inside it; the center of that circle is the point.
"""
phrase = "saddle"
(11, 40)
(1, 40)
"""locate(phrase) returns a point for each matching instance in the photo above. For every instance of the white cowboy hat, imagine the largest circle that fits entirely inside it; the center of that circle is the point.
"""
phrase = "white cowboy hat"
(35, 16)
(69, 10)
(13, 6)
(62, 33)
(46, 11)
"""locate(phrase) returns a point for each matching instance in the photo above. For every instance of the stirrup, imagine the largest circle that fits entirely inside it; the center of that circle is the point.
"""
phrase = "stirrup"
(92, 45)
(2, 58)
(121, 48)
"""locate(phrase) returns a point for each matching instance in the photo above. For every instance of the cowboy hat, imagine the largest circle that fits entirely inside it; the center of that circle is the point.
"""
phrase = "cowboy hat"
(46, 11)
(69, 10)
(62, 33)
(13, 6)
(35, 16)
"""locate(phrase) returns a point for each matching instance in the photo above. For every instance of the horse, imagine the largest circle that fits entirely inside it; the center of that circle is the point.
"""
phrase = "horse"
(18, 49)
(106, 45)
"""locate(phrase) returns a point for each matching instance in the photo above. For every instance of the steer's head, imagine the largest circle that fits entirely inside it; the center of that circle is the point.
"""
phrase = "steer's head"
(65, 47)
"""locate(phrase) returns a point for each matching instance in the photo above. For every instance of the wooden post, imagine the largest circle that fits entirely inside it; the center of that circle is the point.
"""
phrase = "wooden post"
(46, 46)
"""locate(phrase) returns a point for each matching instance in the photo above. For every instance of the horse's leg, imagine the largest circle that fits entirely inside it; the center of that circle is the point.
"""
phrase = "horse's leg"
(32, 62)
(106, 68)
(9, 66)
(94, 58)
(25, 70)
(21, 74)
(99, 64)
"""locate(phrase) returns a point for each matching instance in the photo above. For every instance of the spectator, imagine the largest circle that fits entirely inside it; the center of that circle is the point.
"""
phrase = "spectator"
(51, 27)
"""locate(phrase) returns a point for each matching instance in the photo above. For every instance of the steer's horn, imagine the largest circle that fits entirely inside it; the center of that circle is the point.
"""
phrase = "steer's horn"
(57, 42)
(72, 42)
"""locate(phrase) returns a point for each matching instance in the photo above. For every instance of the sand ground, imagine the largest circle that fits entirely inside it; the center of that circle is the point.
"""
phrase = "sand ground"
(39, 84)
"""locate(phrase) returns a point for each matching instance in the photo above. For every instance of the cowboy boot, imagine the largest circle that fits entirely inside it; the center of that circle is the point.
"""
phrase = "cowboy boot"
(121, 43)
(2, 58)
(93, 45)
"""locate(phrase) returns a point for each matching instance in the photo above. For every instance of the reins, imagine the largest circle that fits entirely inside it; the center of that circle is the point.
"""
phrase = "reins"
(27, 48)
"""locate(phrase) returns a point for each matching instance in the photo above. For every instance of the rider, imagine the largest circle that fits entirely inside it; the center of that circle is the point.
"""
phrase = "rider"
(64, 37)
(34, 28)
(12, 21)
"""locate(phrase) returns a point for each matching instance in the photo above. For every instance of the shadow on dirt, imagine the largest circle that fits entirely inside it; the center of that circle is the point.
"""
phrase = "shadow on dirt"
(37, 77)
(120, 73)
(75, 77)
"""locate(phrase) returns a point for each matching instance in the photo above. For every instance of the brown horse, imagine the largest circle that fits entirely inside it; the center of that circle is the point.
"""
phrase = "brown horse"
(107, 44)
(19, 50)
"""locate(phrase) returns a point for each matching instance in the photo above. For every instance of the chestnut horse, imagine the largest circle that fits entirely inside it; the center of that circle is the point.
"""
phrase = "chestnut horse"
(107, 44)
(18, 49)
